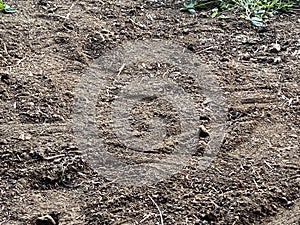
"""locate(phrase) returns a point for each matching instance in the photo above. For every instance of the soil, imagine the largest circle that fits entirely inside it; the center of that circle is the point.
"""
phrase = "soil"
(46, 47)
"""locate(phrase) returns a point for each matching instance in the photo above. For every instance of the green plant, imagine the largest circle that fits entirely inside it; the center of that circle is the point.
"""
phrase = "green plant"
(192, 5)
(6, 8)
(256, 11)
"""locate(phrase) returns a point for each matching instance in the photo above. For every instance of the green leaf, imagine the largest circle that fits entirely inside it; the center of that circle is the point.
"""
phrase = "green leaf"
(8, 9)
(223, 17)
(190, 4)
(256, 21)
(200, 6)
(192, 11)
(243, 16)
(214, 13)
(183, 9)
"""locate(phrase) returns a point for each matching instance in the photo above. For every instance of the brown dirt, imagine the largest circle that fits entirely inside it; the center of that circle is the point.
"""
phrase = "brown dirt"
(45, 48)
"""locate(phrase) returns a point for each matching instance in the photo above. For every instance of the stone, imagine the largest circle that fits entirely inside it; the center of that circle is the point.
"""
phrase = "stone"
(203, 132)
(45, 220)
(275, 48)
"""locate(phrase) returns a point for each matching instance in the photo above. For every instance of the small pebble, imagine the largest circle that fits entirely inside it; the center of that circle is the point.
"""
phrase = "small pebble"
(203, 132)
(277, 60)
(275, 48)
(45, 220)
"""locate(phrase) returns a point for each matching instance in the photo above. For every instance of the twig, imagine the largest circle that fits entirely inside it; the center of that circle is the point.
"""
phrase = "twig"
(208, 48)
(146, 217)
(20, 60)
(268, 164)
(68, 14)
(160, 213)
(121, 69)
(53, 157)
(137, 24)
(256, 184)
(5, 49)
